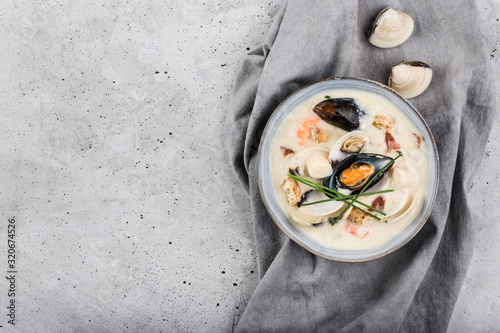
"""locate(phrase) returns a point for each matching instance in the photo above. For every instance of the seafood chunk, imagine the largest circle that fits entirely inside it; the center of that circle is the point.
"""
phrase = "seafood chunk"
(419, 139)
(308, 129)
(286, 151)
(355, 171)
(340, 112)
(391, 142)
(348, 144)
(382, 123)
(292, 190)
(317, 134)
(356, 175)
(360, 232)
(354, 144)
(378, 203)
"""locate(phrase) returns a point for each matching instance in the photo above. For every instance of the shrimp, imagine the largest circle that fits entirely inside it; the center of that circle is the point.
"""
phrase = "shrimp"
(360, 232)
(304, 130)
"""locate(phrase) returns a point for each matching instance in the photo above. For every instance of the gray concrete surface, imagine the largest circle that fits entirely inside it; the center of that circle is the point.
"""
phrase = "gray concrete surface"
(127, 216)
(478, 306)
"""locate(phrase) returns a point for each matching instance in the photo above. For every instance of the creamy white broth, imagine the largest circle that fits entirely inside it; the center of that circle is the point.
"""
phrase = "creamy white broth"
(412, 181)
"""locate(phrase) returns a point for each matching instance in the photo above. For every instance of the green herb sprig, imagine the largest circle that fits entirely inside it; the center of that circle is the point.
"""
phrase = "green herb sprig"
(337, 196)
(350, 197)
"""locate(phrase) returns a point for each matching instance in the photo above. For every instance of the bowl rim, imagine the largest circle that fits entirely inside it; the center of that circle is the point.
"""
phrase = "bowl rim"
(434, 192)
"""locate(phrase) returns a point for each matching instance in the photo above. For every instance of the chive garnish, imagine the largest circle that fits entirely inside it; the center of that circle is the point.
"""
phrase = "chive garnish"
(349, 197)
(327, 97)
(337, 196)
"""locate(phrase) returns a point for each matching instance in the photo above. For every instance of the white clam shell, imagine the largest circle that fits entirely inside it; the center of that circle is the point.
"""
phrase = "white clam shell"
(336, 155)
(318, 166)
(307, 221)
(403, 207)
(300, 161)
(320, 209)
(404, 173)
(410, 78)
(395, 201)
(390, 28)
(383, 184)
(313, 163)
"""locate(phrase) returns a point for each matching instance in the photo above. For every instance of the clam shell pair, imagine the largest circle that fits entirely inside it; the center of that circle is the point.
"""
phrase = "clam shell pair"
(390, 29)
(313, 163)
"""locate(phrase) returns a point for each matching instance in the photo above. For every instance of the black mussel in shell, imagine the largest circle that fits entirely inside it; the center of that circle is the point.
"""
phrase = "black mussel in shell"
(355, 171)
(340, 112)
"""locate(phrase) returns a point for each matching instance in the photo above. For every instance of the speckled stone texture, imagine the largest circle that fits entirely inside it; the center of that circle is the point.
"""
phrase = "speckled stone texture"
(128, 218)
(478, 306)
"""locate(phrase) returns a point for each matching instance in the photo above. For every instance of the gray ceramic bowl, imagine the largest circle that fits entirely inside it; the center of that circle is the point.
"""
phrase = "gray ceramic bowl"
(271, 201)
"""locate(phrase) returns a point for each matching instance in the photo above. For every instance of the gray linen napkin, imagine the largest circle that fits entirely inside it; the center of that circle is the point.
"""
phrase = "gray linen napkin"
(415, 288)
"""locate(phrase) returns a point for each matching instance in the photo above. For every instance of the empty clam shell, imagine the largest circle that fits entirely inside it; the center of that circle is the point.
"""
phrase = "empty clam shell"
(410, 78)
(307, 220)
(405, 204)
(320, 209)
(390, 28)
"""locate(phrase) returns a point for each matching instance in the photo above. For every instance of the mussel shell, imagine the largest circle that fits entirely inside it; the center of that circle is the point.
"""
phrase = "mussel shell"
(340, 112)
(376, 160)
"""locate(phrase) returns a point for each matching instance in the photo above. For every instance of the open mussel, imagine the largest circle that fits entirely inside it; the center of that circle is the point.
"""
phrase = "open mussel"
(355, 171)
(340, 112)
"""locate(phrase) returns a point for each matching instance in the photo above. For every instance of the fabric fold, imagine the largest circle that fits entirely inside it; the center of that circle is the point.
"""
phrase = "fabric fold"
(416, 287)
